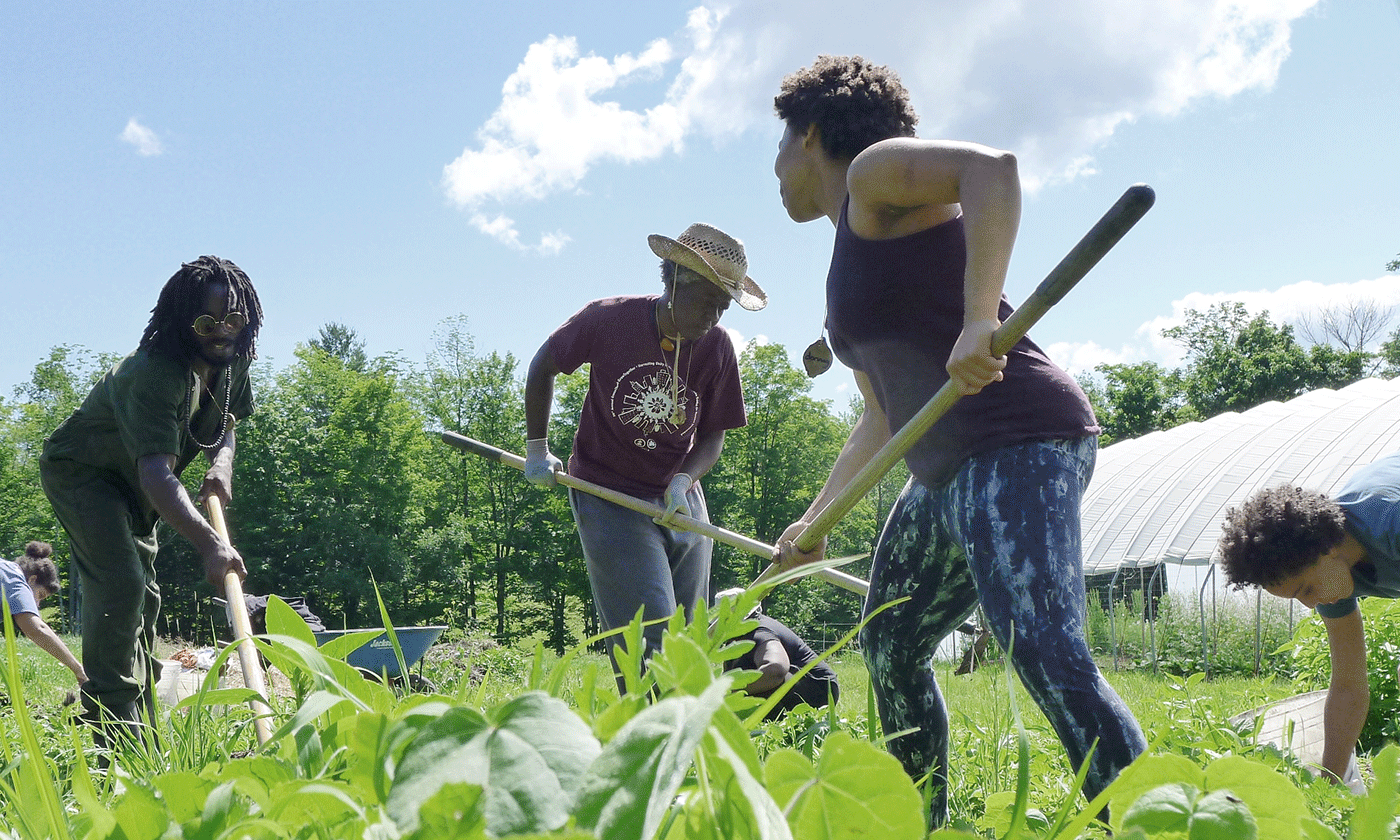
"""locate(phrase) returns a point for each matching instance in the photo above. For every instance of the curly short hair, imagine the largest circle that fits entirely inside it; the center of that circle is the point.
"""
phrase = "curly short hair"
(852, 102)
(37, 563)
(1278, 533)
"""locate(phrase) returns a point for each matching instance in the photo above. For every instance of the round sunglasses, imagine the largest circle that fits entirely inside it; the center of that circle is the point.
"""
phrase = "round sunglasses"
(233, 321)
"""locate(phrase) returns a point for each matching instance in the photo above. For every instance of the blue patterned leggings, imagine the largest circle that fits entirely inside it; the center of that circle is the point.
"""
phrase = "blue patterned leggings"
(1004, 532)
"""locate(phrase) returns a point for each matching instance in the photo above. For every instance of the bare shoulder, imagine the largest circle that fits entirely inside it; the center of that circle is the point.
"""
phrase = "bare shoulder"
(907, 184)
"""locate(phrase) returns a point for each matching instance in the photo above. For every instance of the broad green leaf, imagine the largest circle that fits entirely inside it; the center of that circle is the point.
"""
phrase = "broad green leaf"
(1277, 805)
(1312, 829)
(1164, 809)
(184, 793)
(1147, 773)
(681, 666)
(854, 790)
(1220, 815)
(315, 802)
(139, 813)
(455, 812)
(253, 776)
(528, 757)
(631, 785)
(282, 620)
(1376, 811)
(746, 802)
(377, 743)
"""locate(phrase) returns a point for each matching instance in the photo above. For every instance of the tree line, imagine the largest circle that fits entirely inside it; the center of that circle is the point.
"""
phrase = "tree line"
(344, 493)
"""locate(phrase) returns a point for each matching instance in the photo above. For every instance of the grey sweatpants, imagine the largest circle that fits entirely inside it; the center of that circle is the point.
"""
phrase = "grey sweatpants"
(634, 563)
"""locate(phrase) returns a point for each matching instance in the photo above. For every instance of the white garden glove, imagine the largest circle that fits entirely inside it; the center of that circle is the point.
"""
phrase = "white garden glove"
(675, 498)
(540, 463)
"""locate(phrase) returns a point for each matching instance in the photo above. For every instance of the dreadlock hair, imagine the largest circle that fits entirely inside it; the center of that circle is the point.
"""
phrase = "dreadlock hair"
(1278, 533)
(182, 300)
(37, 563)
(852, 102)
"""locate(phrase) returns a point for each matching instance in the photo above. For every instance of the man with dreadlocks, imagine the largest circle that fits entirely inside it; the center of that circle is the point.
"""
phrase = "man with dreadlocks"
(112, 471)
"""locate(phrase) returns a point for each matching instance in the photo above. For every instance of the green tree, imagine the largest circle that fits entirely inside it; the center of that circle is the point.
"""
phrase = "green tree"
(331, 476)
(343, 343)
(1136, 399)
(55, 388)
(1236, 361)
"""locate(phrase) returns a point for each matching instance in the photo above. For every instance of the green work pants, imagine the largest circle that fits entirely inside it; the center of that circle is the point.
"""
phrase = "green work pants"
(114, 551)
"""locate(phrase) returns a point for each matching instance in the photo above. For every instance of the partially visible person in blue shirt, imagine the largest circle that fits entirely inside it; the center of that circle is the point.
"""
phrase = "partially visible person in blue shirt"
(1325, 553)
(26, 583)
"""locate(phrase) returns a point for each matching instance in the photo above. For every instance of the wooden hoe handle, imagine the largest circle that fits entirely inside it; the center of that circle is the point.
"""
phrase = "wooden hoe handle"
(253, 676)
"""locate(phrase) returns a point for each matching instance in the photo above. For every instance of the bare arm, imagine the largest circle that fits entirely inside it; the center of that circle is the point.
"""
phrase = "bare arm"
(871, 431)
(904, 185)
(218, 480)
(773, 664)
(703, 455)
(38, 631)
(167, 494)
(1348, 694)
(539, 392)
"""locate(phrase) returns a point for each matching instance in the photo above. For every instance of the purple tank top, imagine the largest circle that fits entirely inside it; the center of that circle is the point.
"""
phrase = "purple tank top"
(894, 311)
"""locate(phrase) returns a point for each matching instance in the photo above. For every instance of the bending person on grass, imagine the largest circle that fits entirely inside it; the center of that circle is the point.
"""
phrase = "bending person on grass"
(663, 387)
(26, 582)
(924, 230)
(112, 473)
(1325, 553)
(777, 655)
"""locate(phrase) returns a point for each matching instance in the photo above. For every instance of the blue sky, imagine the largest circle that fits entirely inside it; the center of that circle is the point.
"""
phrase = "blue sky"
(388, 166)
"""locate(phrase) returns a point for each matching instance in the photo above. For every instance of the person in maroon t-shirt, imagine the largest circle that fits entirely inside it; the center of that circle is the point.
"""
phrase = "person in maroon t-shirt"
(663, 387)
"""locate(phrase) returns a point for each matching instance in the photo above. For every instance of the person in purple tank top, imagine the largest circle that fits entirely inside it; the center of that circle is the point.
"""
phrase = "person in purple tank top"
(663, 387)
(990, 516)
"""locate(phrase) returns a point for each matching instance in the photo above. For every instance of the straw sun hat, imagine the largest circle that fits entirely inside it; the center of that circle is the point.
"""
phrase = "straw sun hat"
(716, 256)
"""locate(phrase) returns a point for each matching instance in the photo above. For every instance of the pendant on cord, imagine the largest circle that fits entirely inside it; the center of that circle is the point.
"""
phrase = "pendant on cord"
(817, 358)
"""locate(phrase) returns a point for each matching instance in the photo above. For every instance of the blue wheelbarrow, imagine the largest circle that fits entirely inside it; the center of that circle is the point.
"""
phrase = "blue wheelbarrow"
(376, 657)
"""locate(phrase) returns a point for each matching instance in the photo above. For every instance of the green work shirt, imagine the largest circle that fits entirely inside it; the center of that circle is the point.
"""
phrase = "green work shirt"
(146, 405)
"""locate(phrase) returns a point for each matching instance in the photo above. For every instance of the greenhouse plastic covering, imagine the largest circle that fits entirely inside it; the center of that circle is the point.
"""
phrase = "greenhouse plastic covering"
(1161, 497)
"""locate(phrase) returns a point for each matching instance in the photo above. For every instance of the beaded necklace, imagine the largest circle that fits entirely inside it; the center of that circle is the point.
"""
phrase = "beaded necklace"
(667, 343)
(223, 420)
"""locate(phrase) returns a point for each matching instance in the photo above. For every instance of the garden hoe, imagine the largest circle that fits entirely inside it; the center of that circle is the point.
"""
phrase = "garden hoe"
(680, 522)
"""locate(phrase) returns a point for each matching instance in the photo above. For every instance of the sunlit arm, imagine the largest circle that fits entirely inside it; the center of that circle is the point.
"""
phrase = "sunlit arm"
(773, 665)
(36, 630)
(539, 392)
(168, 496)
(1348, 694)
(906, 184)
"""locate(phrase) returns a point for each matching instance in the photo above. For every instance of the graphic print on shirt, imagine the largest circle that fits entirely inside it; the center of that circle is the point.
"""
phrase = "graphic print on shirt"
(641, 399)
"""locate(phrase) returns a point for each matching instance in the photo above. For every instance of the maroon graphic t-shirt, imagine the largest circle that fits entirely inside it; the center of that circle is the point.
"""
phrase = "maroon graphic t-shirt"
(632, 435)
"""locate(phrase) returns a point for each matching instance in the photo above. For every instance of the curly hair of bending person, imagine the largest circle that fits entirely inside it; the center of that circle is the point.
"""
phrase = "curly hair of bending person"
(852, 102)
(1277, 533)
(37, 563)
(182, 300)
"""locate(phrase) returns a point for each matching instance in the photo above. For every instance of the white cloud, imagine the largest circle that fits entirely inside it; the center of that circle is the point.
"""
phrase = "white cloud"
(502, 229)
(145, 141)
(1051, 81)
